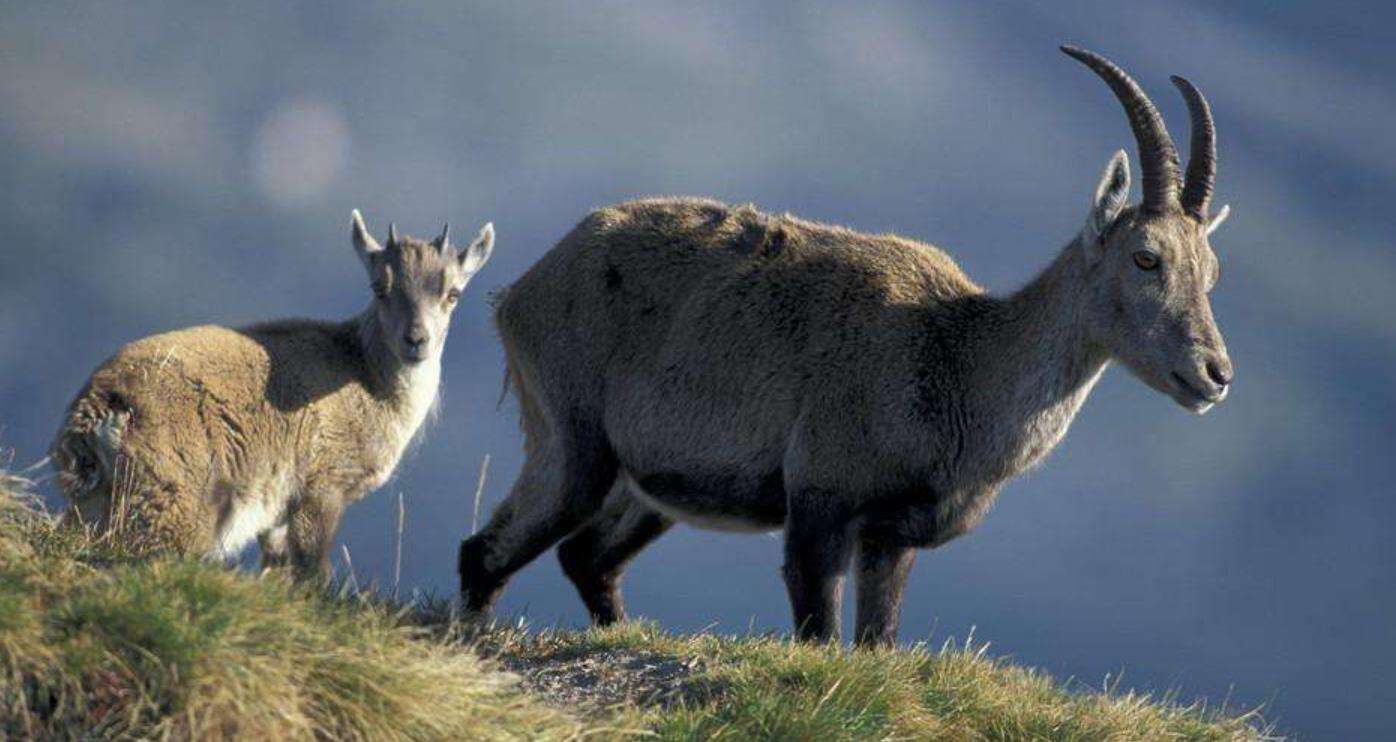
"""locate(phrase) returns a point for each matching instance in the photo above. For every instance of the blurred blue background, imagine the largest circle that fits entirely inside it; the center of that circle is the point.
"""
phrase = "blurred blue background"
(171, 164)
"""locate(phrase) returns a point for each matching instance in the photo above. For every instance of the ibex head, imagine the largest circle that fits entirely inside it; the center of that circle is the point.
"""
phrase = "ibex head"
(1150, 265)
(416, 285)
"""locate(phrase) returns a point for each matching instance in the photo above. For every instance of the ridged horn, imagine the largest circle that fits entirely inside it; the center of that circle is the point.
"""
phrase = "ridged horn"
(1158, 158)
(1202, 152)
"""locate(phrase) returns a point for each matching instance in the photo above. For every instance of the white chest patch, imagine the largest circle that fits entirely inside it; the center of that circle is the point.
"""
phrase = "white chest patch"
(421, 386)
(423, 382)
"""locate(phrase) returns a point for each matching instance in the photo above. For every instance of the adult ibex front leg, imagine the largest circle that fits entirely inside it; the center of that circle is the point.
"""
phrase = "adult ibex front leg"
(882, 573)
(817, 550)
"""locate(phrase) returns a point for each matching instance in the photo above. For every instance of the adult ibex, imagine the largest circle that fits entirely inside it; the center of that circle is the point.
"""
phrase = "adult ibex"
(202, 439)
(738, 370)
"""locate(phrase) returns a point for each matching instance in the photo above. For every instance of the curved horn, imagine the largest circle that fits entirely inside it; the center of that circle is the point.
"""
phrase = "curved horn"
(1158, 158)
(392, 234)
(1202, 152)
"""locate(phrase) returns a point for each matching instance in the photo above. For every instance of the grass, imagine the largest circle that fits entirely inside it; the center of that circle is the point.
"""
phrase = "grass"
(771, 688)
(97, 644)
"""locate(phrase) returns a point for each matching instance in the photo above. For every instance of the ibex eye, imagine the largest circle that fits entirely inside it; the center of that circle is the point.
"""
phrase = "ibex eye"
(1146, 260)
(452, 296)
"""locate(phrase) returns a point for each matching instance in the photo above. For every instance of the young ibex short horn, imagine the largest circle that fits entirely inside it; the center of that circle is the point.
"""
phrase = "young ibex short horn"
(680, 359)
(203, 439)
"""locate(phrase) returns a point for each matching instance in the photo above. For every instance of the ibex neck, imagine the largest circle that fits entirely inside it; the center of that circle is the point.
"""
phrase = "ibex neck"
(404, 396)
(1037, 363)
(390, 377)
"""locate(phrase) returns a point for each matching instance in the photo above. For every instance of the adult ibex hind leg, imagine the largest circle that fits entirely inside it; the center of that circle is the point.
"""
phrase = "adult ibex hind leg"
(594, 557)
(569, 467)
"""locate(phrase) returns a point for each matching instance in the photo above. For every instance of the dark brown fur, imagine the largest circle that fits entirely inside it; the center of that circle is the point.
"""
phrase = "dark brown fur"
(681, 359)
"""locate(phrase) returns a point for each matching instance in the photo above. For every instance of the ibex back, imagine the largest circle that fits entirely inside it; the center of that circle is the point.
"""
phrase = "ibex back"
(677, 359)
(203, 439)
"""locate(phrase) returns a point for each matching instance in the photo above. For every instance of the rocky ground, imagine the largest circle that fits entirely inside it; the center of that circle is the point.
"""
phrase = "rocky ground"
(611, 677)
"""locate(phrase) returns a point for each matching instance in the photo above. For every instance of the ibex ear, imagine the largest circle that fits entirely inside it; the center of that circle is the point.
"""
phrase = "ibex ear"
(1111, 195)
(1218, 218)
(364, 244)
(473, 258)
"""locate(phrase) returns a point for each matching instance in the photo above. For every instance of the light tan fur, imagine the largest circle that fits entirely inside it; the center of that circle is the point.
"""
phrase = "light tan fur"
(202, 439)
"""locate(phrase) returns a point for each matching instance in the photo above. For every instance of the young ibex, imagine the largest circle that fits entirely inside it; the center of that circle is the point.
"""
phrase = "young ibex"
(679, 359)
(202, 439)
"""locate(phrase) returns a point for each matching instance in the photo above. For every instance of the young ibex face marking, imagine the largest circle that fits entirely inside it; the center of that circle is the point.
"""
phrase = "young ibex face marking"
(416, 285)
(1151, 266)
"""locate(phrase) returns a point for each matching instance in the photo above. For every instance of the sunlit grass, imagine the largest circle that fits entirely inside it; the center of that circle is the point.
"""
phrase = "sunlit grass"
(95, 643)
(94, 646)
(772, 688)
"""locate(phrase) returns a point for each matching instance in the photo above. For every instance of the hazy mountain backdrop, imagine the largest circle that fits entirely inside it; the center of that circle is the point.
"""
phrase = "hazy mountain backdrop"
(170, 164)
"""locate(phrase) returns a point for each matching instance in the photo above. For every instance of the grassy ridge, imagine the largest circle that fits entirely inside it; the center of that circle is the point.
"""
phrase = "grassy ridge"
(93, 645)
(771, 688)
(177, 650)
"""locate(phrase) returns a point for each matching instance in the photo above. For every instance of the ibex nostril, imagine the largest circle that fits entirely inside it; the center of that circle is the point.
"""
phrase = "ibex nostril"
(1218, 373)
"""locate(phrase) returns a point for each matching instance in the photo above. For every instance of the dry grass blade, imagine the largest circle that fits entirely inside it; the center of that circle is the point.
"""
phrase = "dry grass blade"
(479, 492)
(397, 556)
